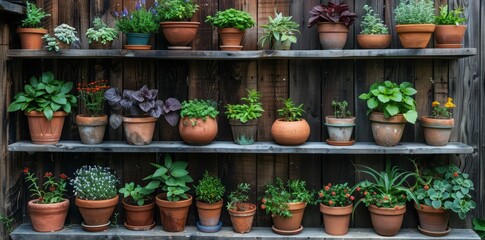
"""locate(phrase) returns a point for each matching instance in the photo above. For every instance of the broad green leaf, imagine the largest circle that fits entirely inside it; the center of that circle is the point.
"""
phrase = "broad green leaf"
(168, 161)
(411, 116)
(29, 90)
(372, 103)
(153, 184)
(179, 172)
(66, 87)
(392, 109)
(48, 113)
(67, 108)
(159, 172)
(383, 98)
(14, 106)
(436, 204)
(409, 91)
(179, 165)
(59, 99)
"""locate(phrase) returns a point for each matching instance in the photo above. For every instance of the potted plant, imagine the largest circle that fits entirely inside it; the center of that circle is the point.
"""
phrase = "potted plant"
(449, 33)
(244, 117)
(390, 107)
(340, 125)
(137, 26)
(100, 36)
(198, 124)
(64, 35)
(48, 210)
(46, 101)
(92, 125)
(241, 212)
(374, 33)
(437, 127)
(96, 196)
(279, 32)
(439, 191)
(415, 22)
(174, 204)
(232, 25)
(286, 203)
(142, 109)
(333, 21)
(139, 207)
(209, 193)
(291, 129)
(336, 202)
(31, 31)
(174, 17)
(385, 196)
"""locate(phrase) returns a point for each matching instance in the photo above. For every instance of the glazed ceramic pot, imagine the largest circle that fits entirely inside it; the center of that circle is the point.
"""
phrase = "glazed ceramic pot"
(292, 224)
(137, 38)
(139, 130)
(332, 35)
(437, 131)
(179, 34)
(290, 132)
(374, 41)
(197, 131)
(209, 214)
(387, 131)
(43, 131)
(31, 38)
(449, 36)
(244, 133)
(339, 129)
(336, 219)
(242, 220)
(47, 217)
(97, 212)
(139, 218)
(91, 128)
(173, 214)
(432, 220)
(415, 35)
(387, 221)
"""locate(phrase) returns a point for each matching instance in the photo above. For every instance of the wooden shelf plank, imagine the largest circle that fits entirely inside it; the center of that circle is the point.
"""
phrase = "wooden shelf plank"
(8, 7)
(231, 147)
(452, 53)
(74, 232)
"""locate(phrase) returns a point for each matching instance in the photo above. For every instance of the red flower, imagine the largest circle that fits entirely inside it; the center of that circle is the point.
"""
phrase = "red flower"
(320, 194)
(352, 198)
(52, 188)
(386, 198)
(263, 200)
(375, 193)
(455, 174)
(48, 174)
(358, 189)
(329, 184)
(426, 187)
(365, 193)
(41, 199)
(26, 170)
(333, 193)
(63, 176)
(327, 188)
(263, 206)
(330, 202)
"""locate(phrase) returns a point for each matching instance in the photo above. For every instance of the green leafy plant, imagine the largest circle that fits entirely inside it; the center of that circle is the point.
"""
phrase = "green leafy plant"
(278, 195)
(7, 223)
(100, 32)
(340, 109)
(196, 108)
(372, 23)
(53, 190)
(45, 94)
(94, 183)
(231, 18)
(391, 99)
(280, 28)
(443, 112)
(238, 196)
(478, 226)
(34, 16)
(415, 12)
(172, 177)
(140, 20)
(51, 43)
(175, 10)
(447, 17)
(138, 195)
(210, 189)
(66, 33)
(290, 112)
(338, 195)
(253, 109)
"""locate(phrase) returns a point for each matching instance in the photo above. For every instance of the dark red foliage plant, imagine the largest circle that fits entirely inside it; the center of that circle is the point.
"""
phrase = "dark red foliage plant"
(334, 11)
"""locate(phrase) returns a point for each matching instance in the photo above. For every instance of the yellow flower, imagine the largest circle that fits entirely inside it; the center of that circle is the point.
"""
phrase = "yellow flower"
(449, 99)
(435, 104)
(450, 104)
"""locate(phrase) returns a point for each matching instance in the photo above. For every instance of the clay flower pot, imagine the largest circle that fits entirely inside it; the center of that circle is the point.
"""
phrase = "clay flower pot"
(47, 217)
(332, 35)
(432, 221)
(290, 132)
(173, 214)
(196, 131)
(96, 212)
(340, 130)
(415, 35)
(231, 38)
(291, 225)
(43, 131)
(336, 219)
(244, 133)
(91, 128)
(209, 214)
(139, 130)
(374, 41)
(437, 132)
(387, 221)
(31, 38)
(179, 34)
(387, 132)
(449, 36)
(139, 218)
(243, 220)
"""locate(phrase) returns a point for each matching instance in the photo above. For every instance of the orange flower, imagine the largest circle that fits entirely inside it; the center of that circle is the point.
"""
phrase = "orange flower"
(435, 104)
(48, 174)
(449, 103)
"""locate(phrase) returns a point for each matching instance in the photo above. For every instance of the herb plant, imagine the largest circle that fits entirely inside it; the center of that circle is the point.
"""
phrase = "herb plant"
(290, 112)
(279, 29)
(444, 112)
(447, 17)
(238, 196)
(140, 20)
(94, 183)
(338, 195)
(92, 94)
(391, 99)
(210, 189)
(138, 195)
(415, 12)
(175, 10)
(51, 43)
(66, 33)
(52, 190)
(252, 109)
(278, 195)
(340, 109)
(44, 94)
(100, 32)
(334, 12)
(231, 18)
(34, 16)
(478, 227)
(372, 23)
(196, 108)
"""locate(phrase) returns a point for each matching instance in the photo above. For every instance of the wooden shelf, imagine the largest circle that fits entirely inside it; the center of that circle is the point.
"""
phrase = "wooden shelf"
(74, 232)
(435, 53)
(7, 7)
(231, 147)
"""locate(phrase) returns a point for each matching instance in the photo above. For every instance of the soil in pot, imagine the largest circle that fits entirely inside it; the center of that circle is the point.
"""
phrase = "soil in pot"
(196, 131)
(31, 38)
(332, 35)
(339, 129)
(173, 214)
(374, 41)
(387, 132)
(139, 130)
(387, 221)
(179, 34)
(43, 131)
(292, 224)
(449, 36)
(415, 35)
(139, 218)
(432, 219)
(336, 219)
(437, 132)
(290, 132)
(244, 133)
(91, 128)
(47, 217)
(243, 220)
(97, 212)
(209, 214)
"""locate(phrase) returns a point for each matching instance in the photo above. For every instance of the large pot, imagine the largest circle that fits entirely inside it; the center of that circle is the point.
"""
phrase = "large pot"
(179, 34)
(91, 128)
(197, 131)
(290, 132)
(437, 131)
(139, 217)
(432, 220)
(231, 36)
(31, 38)
(387, 221)
(449, 36)
(339, 129)
(336, 219)
(243, 220)
(415, 35)
(374, 41)
(332, 35)
(387, 131)
(43, 131)
(47, 217)
(139, 130)
(96, 212)
(244, 133)
(173, 214)
(291, 225)
(209, 214)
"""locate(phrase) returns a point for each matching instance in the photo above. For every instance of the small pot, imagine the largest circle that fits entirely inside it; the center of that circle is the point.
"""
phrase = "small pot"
(339, 129)
(197, 131)
(31, 38)
(63, 45)
(292, 223)
(209, 214)
(281, 45)
(290, 132)
(139, 130)
(387, 132)
(99, 45)
(432, 219)
(43, 131)
(173, 214)
(387, 221)
(449, 36)
(97, 212)
(244, 133)
(374, 41)
(91, 128)
(437, 132)
(47, 217)
(139, 217)
(415, 35)
(231, 37)
(137, 38)
(180, 34)
(243, 220)
(332, 35)
(336, 219)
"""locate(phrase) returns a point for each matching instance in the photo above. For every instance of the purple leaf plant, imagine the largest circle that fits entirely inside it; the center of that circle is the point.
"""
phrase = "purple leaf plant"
(334, 11)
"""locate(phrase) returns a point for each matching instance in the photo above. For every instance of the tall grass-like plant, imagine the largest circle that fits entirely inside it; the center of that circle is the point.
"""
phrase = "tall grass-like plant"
(415, 12)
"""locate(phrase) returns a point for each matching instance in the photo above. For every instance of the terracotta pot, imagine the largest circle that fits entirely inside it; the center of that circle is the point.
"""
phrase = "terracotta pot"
(231, 36)
(432, 219)
(180, 33)
(63, 45)
(139, 216)
(47, 217)
(332, 35)
(139, 130)
(97, 212)
(173, 214)
(387, 221)
(31, 38)
(43, 131)
(437, 132)
(91, 128)
(243, 220)
(387, 131)
(209, 214)
(447, 36)
(415, 35)
(196, 131)
(244, 133)
(292, 223)
(99, 45)
(336, 219)
(290, 133)
(374, 41)
(339, 129)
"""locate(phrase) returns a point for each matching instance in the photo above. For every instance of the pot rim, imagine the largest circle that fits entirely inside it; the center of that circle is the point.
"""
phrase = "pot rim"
(34, 113)
(88, 203)
(165, 203)
(249, 212)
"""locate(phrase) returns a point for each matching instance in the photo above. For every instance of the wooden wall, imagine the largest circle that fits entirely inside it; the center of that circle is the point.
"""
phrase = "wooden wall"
(312, 82)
